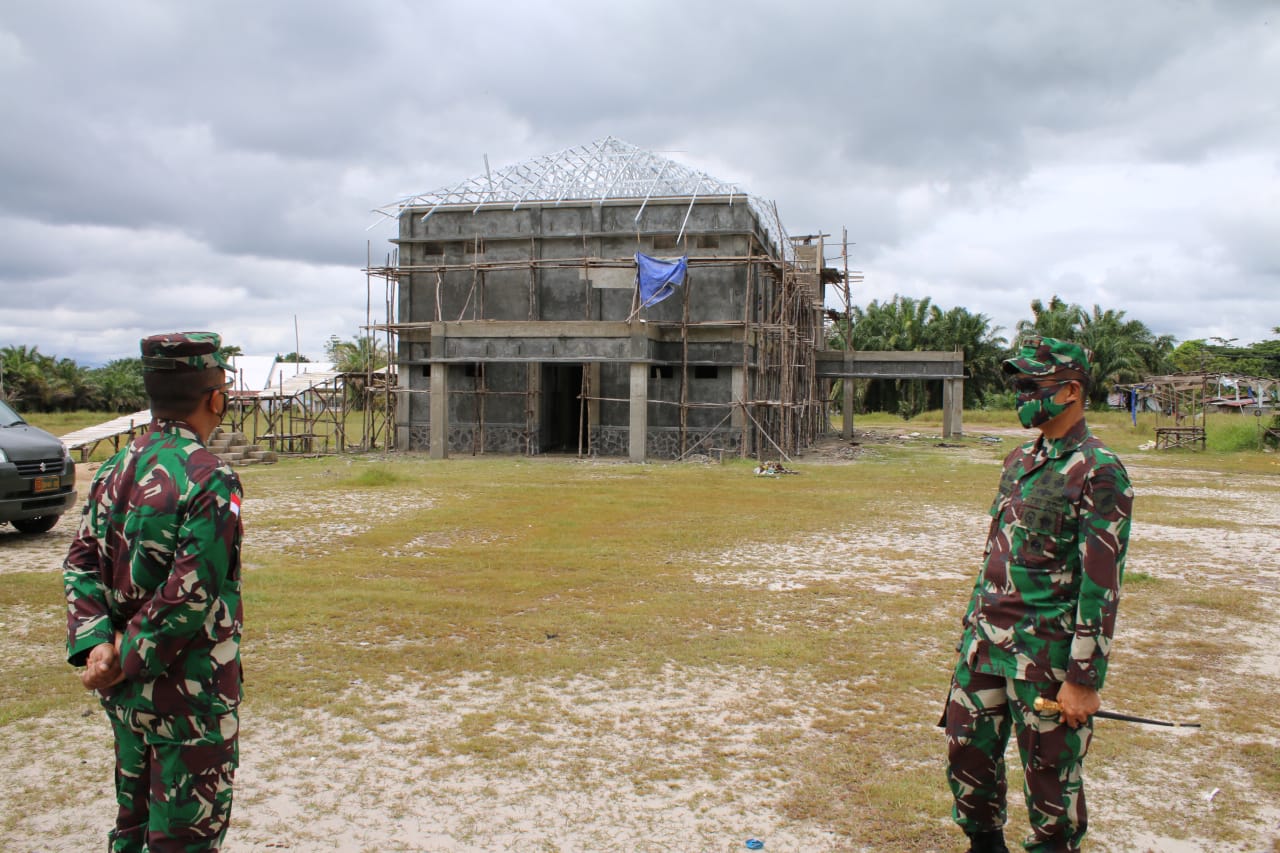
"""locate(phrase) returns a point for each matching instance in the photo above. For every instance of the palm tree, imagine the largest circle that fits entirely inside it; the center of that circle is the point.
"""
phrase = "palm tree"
(355, 357)
(25, 370)
(1055, 320)
(907, 324)
(983, 347)
(1123, 350)
(119, 386)
(358, 355)
(69, 386)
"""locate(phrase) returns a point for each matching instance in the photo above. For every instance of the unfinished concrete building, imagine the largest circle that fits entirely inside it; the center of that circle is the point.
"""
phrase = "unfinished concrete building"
(518, 326)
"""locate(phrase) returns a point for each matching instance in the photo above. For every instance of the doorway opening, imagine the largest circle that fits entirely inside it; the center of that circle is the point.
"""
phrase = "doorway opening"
(563, 412)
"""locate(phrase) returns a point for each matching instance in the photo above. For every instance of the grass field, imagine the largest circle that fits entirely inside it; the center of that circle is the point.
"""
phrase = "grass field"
(566, 654)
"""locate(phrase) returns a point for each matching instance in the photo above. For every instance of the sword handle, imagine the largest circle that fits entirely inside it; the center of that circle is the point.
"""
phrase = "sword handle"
(1048, 706)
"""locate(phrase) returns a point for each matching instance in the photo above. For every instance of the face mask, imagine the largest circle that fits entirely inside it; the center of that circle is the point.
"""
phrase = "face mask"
(1037, 407)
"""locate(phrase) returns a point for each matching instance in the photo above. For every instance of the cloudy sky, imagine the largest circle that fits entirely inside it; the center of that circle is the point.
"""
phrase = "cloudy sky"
(213, 165)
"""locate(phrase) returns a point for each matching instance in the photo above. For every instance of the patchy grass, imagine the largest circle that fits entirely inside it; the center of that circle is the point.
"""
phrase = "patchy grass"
(585, 636)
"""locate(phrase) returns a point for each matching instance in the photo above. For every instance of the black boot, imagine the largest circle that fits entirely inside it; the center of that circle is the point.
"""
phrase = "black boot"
(990, 841)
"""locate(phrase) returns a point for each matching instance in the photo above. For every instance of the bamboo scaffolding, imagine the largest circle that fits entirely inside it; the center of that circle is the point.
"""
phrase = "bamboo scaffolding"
(780, 396)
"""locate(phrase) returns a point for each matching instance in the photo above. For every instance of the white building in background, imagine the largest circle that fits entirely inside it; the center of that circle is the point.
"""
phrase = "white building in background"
(263, 372)
(283, 371)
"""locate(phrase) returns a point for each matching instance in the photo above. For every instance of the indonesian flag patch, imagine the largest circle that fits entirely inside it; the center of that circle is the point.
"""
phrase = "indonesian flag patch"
(235, 505)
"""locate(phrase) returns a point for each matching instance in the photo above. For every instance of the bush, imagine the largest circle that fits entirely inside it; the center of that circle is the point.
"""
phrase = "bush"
(995, 401)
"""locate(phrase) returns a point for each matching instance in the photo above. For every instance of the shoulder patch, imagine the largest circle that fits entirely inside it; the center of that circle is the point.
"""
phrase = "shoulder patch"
(1104, 497)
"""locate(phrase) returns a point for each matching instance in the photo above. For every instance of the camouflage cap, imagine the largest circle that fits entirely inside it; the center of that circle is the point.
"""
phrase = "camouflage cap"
(1039, 356)
(183, 351)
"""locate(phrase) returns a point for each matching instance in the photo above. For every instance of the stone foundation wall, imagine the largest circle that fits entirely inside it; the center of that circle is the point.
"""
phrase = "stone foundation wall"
(663, 443)
(498, 438)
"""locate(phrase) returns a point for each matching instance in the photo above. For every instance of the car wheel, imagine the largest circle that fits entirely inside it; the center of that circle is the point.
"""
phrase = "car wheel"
(40, 524)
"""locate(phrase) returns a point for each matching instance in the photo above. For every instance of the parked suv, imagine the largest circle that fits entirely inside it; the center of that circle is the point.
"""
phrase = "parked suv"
(37, 475)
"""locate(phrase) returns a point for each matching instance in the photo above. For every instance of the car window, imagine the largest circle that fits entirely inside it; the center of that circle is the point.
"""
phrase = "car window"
(8, 417)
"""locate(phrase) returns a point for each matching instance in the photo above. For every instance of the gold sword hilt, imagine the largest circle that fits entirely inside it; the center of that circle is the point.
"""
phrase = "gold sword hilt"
(1048, 706)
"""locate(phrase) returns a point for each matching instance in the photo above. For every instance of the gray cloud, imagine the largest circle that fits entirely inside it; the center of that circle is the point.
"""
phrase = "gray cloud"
(983, 154)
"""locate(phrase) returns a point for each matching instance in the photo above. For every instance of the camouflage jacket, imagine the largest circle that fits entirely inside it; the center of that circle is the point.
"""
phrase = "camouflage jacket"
(157, 556)
(1044, 605)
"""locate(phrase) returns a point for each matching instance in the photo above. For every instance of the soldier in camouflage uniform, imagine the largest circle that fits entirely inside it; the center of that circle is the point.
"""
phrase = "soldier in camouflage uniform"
(1042, 613)
(152, 582)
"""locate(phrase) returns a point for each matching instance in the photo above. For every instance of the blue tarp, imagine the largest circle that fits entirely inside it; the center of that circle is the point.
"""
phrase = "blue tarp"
(658, 278)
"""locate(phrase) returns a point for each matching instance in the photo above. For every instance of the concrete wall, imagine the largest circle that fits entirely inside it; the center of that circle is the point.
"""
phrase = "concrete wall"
(474, 266)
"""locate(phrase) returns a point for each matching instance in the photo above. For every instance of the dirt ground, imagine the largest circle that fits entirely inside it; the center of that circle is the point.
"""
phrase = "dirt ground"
(385, 790)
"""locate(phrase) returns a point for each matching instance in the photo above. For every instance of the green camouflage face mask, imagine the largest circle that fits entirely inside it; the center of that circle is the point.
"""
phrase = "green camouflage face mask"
(1036, 408)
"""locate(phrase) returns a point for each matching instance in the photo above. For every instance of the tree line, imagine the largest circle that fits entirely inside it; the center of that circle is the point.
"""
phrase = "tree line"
(1125, 350)
(34, 382)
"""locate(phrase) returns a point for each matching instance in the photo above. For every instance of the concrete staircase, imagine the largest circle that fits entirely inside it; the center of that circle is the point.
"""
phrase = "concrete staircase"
(234, 449)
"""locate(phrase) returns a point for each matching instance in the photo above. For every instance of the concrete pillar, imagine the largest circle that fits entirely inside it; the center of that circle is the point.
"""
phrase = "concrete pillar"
(846, 408)
(952, 407)
(533, 412)
(738, 392)
(593, 405)
(847, 387)
(439, 411)
(403, 396)
(639, 411)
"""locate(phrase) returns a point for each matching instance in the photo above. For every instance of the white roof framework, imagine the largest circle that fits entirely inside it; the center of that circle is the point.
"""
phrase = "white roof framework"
(605, 169)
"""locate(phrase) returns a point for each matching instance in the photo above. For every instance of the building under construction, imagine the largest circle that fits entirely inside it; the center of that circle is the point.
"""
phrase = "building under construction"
(519, 323)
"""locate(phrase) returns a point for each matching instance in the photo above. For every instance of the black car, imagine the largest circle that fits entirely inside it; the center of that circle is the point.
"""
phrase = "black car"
(37, 475)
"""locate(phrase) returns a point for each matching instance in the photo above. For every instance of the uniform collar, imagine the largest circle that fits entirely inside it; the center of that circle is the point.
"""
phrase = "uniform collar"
(176, 427)
(1056, 448)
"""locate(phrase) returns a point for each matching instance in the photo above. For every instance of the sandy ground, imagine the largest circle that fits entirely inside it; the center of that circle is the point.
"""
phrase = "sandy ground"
(613, 771)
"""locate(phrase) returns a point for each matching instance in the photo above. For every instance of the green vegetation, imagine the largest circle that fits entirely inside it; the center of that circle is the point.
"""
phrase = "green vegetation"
(35, 382)
(1234, 433)
(906, 324)
(543, 571)
(1218, 355)
(1123, 350)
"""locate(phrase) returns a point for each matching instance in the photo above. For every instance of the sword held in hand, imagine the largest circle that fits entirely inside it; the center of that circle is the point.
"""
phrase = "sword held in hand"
(1048, 706)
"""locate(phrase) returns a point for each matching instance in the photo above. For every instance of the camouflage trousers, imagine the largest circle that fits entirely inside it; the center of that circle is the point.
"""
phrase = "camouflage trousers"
(173, 780)
(981, 710)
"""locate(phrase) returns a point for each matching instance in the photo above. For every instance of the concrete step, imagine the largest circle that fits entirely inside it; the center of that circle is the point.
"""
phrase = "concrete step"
(234, 449)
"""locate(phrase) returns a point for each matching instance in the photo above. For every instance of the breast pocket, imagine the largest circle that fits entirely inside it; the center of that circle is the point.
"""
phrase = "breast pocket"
(1037, 535)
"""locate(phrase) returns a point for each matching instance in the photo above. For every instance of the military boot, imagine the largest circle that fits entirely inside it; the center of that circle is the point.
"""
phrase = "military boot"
(990, 841)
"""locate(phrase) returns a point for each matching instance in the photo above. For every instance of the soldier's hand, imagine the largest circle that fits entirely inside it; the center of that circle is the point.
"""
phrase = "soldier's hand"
(1078, 703)
(102, 669)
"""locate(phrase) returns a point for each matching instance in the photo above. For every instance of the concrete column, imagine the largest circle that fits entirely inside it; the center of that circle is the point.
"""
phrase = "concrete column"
(403, 397)
(738, 392)
(639, 411)
(439, 411)
(846, 408)
(593, 405)
(533, 412)
(952, 407)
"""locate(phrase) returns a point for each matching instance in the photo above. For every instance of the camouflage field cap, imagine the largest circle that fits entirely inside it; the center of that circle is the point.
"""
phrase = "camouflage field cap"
(1038, 356)
(183, 351)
